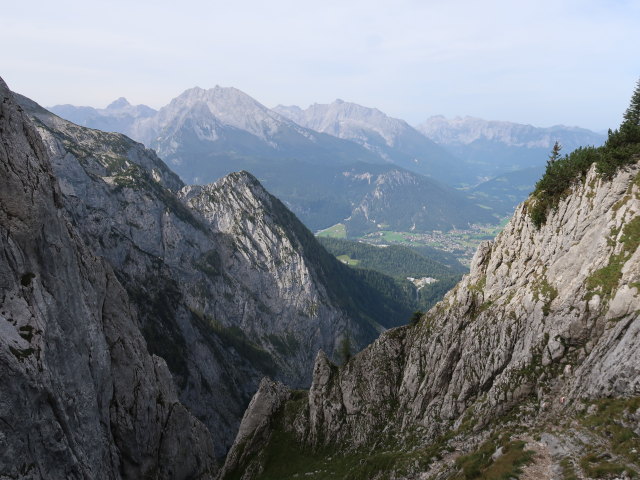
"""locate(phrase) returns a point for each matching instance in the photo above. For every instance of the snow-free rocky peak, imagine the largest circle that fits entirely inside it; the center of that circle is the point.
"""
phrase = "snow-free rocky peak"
(392, 139)
(347, 120)
(118, 104)
(229, 106)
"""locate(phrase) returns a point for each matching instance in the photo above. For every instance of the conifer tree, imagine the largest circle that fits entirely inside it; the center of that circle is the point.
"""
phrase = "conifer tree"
(555, 153)
(632, 115)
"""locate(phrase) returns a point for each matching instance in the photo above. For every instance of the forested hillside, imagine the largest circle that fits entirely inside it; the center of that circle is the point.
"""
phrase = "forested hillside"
(400, 263)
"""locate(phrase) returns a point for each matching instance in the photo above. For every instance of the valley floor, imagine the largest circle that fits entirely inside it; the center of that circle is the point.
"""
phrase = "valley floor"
(462, 243)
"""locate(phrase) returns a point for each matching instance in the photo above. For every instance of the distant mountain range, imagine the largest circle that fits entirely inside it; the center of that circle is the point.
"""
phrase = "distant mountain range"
(205, 134)
(334, 163)
(324, 179)
(119, 115)
(491, 148)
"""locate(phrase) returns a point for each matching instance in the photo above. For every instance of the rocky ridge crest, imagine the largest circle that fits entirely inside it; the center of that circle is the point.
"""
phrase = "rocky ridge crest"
(392, 139)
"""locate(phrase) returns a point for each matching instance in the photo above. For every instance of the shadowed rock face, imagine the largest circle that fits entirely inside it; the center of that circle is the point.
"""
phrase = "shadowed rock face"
(228, 284)
(81, 396)
(546, 320)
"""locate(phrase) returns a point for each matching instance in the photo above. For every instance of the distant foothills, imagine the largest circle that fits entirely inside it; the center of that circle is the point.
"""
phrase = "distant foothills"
(343, 163)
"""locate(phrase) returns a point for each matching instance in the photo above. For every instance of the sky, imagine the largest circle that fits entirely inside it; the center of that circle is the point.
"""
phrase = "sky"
(537, 62)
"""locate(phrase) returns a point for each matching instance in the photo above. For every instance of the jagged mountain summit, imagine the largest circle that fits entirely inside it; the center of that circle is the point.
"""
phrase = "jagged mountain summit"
(229, 107)
(394, 140)
(534, 358)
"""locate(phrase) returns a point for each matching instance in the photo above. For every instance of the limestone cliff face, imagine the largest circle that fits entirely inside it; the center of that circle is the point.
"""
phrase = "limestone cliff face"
(81, 396)
(294, 305)
(228, 284)
(546, 320)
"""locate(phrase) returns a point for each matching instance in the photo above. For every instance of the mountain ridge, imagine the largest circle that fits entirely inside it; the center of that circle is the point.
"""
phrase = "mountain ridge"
(494, 148)
(393, 140)
(467, 129)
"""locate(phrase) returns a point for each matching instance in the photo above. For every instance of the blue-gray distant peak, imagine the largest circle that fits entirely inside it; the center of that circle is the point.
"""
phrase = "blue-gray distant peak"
(119, 103)
(391, 139)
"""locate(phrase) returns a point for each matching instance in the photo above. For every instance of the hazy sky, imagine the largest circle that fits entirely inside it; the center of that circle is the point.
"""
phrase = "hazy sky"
(540, 62)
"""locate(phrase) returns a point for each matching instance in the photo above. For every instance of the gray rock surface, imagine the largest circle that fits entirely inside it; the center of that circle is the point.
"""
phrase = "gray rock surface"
(255, 430)
(81, 396)
(533, 326)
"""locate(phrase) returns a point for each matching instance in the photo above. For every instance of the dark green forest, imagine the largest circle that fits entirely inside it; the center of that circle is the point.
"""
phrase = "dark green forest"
(386, 269)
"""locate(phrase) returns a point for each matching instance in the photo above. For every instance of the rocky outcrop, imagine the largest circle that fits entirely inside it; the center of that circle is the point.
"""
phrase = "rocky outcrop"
(81, 396)
(255, 429)
(545, 322)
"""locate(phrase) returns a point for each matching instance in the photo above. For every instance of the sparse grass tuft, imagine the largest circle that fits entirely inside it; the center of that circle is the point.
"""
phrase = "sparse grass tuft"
(597, 466)
(480, 465)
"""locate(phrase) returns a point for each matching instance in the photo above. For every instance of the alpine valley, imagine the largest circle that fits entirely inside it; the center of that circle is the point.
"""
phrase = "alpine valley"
(187, 325)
